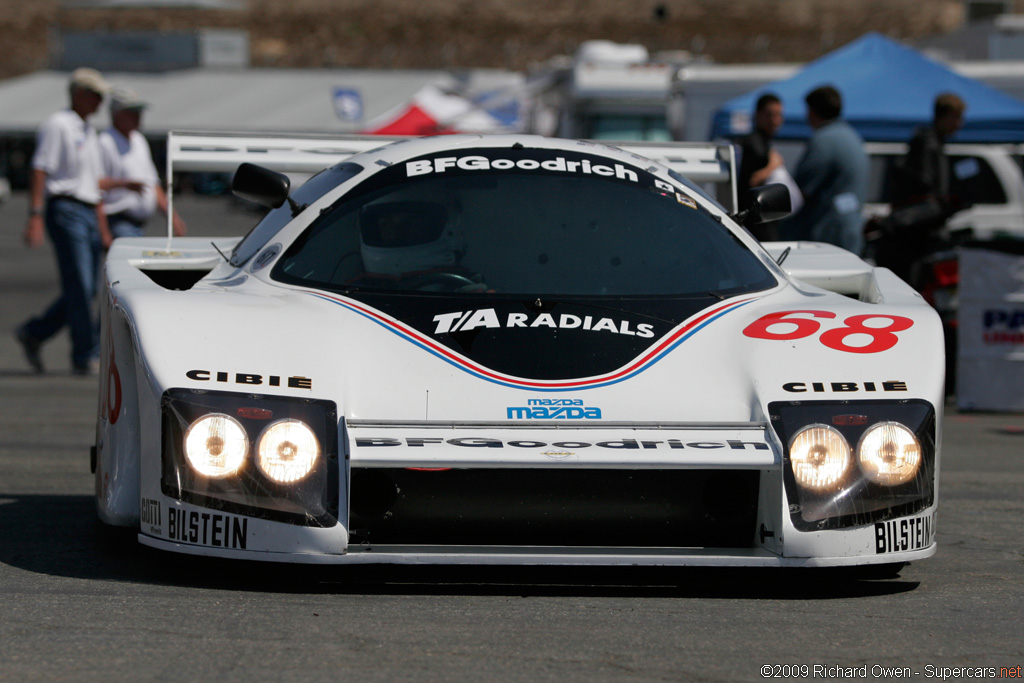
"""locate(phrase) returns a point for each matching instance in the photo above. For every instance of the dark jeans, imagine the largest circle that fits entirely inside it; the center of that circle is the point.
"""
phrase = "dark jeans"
(75, 235)
(122, 226)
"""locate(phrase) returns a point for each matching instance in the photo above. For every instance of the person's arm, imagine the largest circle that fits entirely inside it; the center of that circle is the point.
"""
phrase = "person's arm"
(114, 183)
(760, 176)
(812, 171)
(161, 201)
(106, 237)
(35, 228)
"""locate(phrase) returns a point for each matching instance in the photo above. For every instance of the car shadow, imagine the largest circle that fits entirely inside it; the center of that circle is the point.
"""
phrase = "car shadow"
(60, 536)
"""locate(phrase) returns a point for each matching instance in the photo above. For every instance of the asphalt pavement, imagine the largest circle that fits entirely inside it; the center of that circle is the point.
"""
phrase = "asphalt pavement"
(80, 604)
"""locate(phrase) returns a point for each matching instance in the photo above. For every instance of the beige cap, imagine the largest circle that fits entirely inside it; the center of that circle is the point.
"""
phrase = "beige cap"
(89, 79)
(125, 98)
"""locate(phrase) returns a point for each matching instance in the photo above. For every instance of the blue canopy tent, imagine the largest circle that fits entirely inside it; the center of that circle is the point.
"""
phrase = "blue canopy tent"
(887, 90)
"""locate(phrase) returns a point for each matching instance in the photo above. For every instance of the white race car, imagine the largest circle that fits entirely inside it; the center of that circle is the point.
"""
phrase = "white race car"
(512, 350)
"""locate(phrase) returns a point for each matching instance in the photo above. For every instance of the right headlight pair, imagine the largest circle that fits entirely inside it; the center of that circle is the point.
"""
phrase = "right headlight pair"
(853, 462)
(888, 454)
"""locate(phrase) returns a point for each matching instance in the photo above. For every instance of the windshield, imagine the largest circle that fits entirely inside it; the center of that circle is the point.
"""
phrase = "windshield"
(521, 221)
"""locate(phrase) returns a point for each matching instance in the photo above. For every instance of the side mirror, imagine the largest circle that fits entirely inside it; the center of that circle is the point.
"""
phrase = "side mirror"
(261, 185)
(766, 203)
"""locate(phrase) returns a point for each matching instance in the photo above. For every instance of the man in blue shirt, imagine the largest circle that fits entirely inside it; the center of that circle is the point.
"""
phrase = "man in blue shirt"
(832, 175)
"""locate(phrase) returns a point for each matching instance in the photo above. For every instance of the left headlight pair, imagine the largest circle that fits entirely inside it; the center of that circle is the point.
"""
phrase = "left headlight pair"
(217, 445)
(888, 454)
(264, 456)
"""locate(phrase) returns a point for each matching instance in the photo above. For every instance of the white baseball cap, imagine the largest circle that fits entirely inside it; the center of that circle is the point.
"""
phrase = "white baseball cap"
(89, 79)
(125, 98)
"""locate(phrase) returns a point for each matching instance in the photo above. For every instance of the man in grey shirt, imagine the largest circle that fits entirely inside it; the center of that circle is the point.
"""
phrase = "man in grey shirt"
(832, 175)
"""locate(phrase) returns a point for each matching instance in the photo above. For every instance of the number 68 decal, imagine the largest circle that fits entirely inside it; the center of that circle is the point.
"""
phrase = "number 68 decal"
(781, 327)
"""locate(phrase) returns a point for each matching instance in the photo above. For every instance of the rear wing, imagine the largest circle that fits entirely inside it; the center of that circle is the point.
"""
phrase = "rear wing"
(711, 165)
(707, 164)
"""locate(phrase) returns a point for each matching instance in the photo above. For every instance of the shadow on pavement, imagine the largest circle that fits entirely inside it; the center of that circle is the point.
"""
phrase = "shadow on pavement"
(60, 536)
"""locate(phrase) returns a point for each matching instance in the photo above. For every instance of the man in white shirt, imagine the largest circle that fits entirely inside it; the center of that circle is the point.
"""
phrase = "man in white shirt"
(132, 191)
(65, 203)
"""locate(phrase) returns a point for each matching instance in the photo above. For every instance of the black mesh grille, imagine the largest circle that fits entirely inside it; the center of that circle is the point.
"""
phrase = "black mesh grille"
(554, 507)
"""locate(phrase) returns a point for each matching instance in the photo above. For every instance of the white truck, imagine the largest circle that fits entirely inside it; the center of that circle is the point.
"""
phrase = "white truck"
(986, 177)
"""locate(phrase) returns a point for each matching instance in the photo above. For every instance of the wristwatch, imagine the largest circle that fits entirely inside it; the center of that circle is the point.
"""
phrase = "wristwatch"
(35, 211)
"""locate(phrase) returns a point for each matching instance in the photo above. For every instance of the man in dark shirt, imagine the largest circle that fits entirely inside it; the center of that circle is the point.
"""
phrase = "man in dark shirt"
(925, 171)
(921, 200)
(757, 157)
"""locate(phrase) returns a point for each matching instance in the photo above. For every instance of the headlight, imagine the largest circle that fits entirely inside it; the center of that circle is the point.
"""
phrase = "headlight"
(820, 457)
(889, 454)
(287, 451)
(216, 445)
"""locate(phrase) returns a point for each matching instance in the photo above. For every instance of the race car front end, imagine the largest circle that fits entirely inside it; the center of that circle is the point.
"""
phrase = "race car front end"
(821, 483)
(325, 463)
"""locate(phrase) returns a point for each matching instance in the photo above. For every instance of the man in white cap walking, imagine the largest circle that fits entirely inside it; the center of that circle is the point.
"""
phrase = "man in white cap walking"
(132, 191)
(66, 204)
